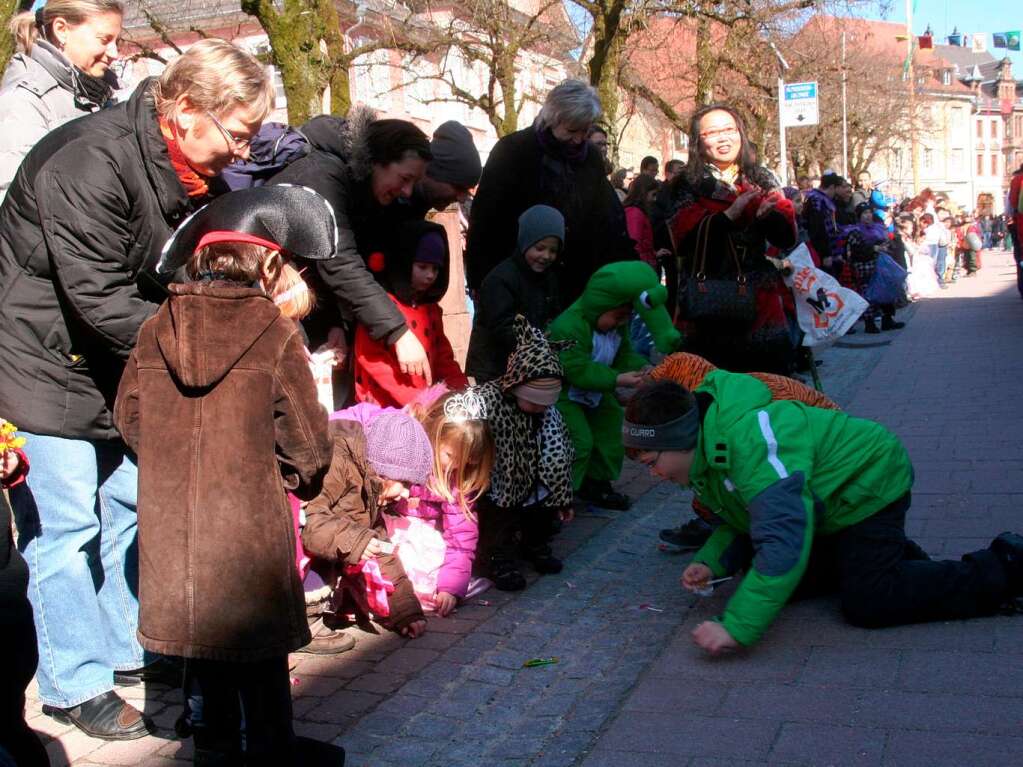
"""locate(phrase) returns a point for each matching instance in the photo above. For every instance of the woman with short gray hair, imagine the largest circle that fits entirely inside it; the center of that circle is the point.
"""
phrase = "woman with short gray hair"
(550, 163)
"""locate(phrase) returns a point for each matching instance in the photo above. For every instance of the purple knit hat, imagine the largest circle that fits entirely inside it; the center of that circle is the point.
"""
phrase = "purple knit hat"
(397, 448)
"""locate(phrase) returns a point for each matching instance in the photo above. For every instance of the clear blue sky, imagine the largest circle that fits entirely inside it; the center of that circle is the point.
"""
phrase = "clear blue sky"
(970, 16)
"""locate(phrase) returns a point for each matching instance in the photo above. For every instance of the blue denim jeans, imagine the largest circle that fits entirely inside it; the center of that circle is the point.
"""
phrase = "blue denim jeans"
(77, 523)
(940, 254)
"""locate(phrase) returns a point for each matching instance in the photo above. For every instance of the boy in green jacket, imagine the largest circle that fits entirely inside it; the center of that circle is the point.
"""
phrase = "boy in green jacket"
(601, 359)
(804, 494)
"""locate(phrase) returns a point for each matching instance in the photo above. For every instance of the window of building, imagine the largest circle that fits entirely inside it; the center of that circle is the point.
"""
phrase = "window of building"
(994, 128)
(980, 128)
(946, 77)
(928, 159)
(994, 165)
(980, 165)
(956, 161)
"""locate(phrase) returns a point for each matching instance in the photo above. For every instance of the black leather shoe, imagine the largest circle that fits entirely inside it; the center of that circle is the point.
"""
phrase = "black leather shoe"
(543, 560)
(602, 495)
(106, 717)
(506, 575)
(165, 671)
(1008, 547)
(890, 323)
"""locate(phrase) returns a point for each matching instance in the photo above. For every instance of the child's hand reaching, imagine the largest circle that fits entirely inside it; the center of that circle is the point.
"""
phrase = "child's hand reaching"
(714, 638)
(375, 548)
(414, 630)
(444, 603)
(630, 380)
(696, 577)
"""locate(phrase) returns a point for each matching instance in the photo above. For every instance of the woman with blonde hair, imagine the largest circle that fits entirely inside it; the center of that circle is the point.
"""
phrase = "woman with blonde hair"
(83, 227)
(61, 71)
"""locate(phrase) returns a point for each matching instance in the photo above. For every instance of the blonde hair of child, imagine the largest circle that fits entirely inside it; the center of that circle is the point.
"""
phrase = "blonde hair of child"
(472, 447)
(26, 31)
(243, 262)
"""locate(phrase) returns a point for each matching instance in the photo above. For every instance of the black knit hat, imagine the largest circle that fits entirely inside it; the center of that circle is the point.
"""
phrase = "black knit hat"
(294, 220)
(455, 157)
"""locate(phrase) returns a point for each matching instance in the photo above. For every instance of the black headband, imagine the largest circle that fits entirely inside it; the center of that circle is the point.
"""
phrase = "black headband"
(680, 434)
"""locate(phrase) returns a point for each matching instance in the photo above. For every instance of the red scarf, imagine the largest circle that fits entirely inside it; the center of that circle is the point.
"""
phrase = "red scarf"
(195, 185)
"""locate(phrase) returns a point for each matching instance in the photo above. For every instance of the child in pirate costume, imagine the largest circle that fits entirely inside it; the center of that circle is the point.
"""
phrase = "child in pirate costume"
(531, 483)
(599, 361)
(808, 497)
(218, 401)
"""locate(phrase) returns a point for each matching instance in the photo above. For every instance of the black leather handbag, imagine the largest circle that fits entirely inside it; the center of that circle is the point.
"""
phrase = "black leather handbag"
(725, 299)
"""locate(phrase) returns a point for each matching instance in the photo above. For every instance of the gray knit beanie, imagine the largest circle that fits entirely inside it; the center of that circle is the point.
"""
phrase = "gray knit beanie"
(538, 222)
(397, 448)
(455, 157)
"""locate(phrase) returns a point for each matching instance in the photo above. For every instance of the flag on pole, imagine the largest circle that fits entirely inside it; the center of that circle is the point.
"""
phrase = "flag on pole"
(924, 42)
(979, 43)
(999, 40)
(1012, 40)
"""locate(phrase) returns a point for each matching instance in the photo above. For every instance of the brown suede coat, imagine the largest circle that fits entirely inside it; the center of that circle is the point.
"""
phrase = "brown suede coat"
(345, 516)
(219, 403)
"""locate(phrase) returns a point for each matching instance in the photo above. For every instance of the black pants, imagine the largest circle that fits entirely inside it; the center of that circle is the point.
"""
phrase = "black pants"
(885, 579)
(19, 652)
(261, 693)
(1017, 257)
(504, 533)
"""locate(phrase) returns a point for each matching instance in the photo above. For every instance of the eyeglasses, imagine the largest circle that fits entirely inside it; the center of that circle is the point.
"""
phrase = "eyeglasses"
(720, 133)
(237, 144)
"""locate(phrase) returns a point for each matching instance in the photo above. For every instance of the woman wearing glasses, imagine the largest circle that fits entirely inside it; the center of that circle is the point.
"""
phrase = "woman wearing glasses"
(83, 223)
(725, 199)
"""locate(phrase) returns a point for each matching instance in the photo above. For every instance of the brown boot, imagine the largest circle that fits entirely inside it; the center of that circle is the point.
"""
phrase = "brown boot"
(326, 641)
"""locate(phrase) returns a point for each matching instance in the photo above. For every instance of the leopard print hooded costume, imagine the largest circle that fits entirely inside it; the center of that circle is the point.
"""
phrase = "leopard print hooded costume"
(529, 449)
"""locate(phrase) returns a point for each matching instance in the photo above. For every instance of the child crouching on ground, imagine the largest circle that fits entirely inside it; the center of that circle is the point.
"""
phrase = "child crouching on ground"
(374, 467)
(531, 484)
(415, 273)
(601, 360)
(463, 461)
(807, 497)
(219, 404)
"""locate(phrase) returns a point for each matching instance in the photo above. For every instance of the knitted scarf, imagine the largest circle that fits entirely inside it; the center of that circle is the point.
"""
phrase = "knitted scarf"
(195, 185)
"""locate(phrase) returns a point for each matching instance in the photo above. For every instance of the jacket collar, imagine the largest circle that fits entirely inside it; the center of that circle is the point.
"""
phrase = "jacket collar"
(174, 201)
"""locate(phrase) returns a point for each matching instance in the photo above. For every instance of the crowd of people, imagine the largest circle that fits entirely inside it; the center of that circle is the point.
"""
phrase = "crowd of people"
(195, 498)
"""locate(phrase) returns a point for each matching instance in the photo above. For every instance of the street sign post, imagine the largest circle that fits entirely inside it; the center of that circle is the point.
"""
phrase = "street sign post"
(799, 105)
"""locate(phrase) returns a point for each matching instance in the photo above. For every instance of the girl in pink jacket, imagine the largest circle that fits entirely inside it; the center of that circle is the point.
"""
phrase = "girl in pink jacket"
(440, 567)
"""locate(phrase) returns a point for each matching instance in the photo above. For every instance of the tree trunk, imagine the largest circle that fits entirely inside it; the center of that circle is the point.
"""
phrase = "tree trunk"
(8, 10)
(706, 64)
(307, 47)
(508, 122)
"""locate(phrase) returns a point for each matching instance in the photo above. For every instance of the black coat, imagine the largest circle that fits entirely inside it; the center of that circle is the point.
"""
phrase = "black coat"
(520, 174)
(85, 219)
(511, 288)
(346, 290)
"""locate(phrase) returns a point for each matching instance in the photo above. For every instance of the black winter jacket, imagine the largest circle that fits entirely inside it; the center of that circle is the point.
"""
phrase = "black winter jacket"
(520, 174)
(345, 288)
(83, 223)
(511, 288)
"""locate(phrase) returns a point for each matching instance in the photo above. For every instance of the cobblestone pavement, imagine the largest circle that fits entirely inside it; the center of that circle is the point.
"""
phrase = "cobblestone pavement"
(629, 688)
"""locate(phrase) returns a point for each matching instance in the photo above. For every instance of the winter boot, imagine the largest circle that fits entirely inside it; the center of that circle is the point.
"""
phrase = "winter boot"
(506, 575)
(1008, 547)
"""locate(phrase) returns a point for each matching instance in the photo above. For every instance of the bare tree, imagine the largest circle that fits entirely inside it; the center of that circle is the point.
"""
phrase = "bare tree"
(878, 112)
(477, 52)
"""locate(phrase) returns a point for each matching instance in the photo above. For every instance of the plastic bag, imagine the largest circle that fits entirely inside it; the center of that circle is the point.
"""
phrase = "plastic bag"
(421, 548)
(824, 308)
(888, 285)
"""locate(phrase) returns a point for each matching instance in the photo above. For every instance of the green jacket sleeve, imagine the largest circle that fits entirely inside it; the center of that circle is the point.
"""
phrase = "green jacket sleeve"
(772, 463)
(714, 553)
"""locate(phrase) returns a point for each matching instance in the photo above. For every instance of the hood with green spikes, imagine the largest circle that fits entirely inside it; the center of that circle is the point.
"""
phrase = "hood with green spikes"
(635, 283)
